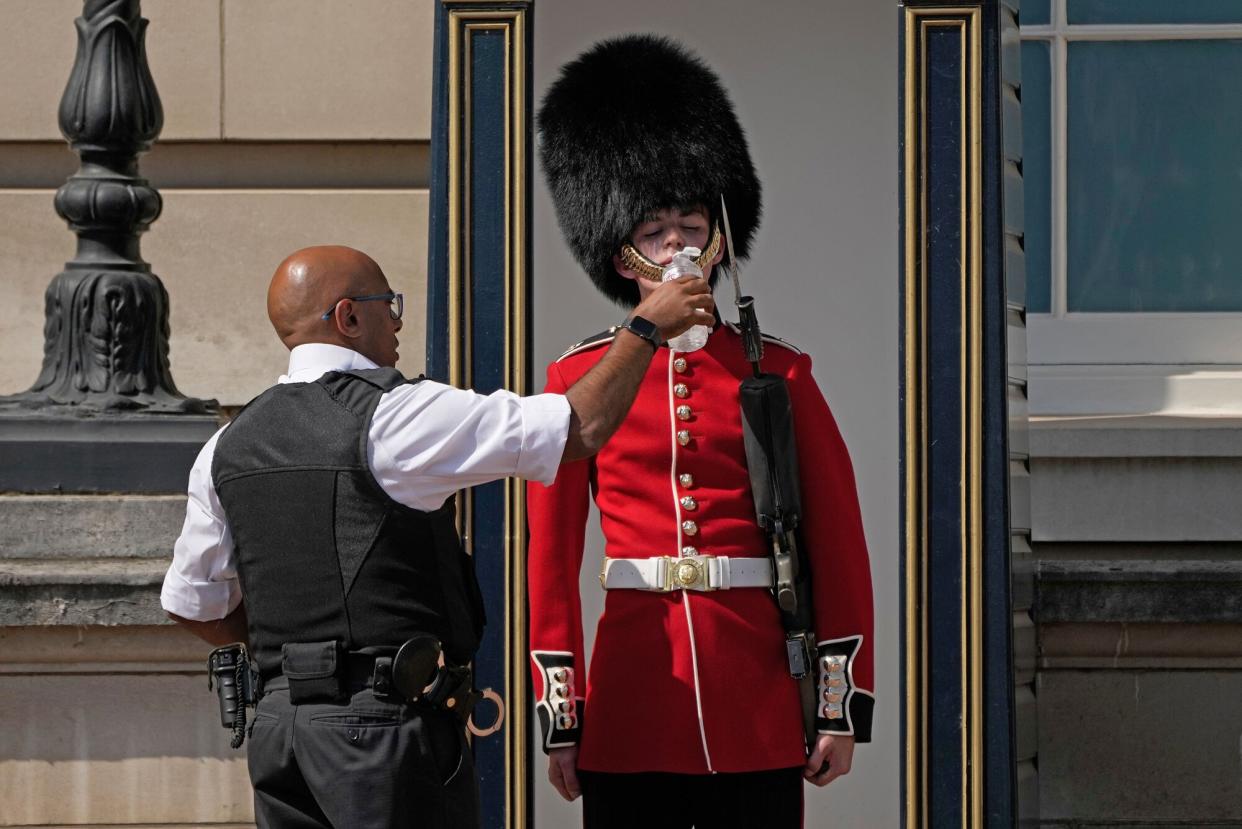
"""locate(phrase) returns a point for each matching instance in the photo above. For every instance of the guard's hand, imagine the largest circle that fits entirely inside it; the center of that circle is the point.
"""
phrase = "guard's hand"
(837, 751)
(563, 770)
(678, 304)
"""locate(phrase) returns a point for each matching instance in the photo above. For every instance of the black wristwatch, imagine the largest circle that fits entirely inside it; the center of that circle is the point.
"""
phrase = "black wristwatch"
(643, 328)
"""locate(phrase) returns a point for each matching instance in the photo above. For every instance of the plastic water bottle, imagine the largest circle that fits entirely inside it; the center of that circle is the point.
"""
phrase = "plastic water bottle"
(683, 264)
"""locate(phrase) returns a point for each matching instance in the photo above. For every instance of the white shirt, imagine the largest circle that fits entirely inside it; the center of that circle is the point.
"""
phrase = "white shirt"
(426, 441)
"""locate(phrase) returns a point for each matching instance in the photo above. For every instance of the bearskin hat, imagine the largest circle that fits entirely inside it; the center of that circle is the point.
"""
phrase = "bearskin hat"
(635, 124)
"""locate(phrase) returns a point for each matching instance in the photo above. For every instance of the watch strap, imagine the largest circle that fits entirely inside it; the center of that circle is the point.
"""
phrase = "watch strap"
(644, 328)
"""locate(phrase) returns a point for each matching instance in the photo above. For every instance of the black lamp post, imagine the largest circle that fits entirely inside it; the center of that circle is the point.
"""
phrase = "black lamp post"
(106, 329)
(105, 352)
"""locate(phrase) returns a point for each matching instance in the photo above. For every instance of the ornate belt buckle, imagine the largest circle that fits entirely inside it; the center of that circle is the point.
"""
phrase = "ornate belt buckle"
(688, 573)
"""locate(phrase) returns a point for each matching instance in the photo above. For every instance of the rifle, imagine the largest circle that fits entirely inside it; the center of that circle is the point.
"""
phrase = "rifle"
(772, 460)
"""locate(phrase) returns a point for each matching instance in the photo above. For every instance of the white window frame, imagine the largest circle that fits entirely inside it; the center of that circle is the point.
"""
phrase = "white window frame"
(1122, 363)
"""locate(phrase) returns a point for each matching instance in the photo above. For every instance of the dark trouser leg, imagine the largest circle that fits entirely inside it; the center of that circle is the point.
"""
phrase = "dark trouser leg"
(769, 799)
(748, 800)
(282, 799)
(375, 765)
(652, 800)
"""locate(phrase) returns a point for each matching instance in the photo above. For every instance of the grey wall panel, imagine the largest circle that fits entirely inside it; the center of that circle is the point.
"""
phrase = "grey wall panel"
(1011, 130)
(1027, 738)
(1017, 346)
(1135, 499)
(1019, 430)
(1015, 272)
(1024, 647)
(1022, 564)
(1020, 496)
(1028, 795)
(1014, 206)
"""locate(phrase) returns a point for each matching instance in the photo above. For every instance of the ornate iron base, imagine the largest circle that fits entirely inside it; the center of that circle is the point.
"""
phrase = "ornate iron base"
(105, 348)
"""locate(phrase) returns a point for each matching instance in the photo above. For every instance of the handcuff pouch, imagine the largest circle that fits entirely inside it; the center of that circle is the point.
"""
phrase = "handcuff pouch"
(313, 670)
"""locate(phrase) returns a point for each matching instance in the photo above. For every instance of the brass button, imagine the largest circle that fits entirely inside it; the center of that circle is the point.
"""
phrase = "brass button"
(681, 390)
(833, 695)
(565, 722)
(833, 664)
(683, 437)
(679, 365)
(689, 528)
(689, 551)
(561, 675)
(565, 707)
(686, 479)
(689, 504)
(683, 412)
(833, 711)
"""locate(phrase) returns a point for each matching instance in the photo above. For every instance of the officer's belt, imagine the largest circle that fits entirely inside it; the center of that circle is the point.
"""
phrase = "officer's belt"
(452, 688)
(356, 671)
(664, 574)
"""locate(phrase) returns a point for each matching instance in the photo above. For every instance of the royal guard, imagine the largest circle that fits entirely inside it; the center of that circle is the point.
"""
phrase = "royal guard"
(689, 714)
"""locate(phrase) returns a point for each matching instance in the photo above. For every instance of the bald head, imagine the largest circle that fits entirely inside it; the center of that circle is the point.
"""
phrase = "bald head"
(316, 279)
(309, 281)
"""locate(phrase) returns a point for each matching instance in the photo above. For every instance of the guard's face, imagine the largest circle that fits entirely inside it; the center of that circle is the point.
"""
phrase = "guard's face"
(669, 230)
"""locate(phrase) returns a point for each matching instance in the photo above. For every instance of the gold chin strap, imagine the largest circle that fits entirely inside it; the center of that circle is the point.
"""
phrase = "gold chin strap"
(644, 267)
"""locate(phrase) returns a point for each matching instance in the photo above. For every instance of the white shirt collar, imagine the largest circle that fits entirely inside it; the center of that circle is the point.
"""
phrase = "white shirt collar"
(310, 361)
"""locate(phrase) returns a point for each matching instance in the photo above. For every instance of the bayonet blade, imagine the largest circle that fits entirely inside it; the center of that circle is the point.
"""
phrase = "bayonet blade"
(733, 269)
(752, 339)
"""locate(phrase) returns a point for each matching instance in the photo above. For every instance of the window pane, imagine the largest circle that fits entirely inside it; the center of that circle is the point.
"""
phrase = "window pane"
(1155, 176)
(1037, 174)
(1033, 12)
(1153, 11)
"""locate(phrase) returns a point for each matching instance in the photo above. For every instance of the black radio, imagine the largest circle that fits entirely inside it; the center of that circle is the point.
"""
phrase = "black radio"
(228, 671)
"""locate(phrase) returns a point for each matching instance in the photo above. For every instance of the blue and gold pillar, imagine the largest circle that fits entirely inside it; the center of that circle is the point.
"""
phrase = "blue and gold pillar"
(958, 708)
(478, 332)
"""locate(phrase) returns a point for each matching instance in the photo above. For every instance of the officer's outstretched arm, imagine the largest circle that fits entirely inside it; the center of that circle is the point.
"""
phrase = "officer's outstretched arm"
(600, 400)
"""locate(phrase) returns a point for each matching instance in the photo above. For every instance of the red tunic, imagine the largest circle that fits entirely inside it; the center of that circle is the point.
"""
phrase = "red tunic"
(687, 681)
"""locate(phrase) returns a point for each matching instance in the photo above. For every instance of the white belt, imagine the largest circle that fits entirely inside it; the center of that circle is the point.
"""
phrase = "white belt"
(667, 573)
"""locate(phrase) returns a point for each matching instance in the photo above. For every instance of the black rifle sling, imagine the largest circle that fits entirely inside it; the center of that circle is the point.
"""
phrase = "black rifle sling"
(772, 462)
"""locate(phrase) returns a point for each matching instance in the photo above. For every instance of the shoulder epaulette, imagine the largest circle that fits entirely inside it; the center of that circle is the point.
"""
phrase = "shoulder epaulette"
(590, 342)
(767, 338)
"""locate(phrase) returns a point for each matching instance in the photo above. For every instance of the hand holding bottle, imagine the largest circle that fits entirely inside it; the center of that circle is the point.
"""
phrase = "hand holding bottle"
(683, 264)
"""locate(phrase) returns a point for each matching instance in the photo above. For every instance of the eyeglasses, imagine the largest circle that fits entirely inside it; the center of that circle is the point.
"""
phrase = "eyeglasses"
(395, 303)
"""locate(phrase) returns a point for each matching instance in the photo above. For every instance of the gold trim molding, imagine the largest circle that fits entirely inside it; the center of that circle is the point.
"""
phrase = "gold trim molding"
(464, 21)
(966, 22)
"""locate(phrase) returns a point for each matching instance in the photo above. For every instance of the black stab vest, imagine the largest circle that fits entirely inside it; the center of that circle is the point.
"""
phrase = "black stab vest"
(323, 553)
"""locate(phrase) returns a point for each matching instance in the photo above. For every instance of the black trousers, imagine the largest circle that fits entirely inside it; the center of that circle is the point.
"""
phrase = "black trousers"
(365, 763)
(657, 800)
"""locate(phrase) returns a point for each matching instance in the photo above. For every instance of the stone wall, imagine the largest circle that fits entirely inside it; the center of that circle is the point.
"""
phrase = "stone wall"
(107, 718)
(1139, 543)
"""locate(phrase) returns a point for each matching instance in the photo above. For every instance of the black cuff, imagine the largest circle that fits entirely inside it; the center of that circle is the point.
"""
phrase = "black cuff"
(559, 709)
(842, 708)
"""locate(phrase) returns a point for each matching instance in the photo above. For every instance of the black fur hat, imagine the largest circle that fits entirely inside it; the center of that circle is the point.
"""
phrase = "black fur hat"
(634, 124)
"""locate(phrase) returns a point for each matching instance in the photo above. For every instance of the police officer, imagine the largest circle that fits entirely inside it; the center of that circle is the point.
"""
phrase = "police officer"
(690, 716)
(320, 528)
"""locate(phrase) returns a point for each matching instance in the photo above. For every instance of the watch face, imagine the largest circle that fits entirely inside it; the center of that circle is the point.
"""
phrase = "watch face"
(644, 328)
